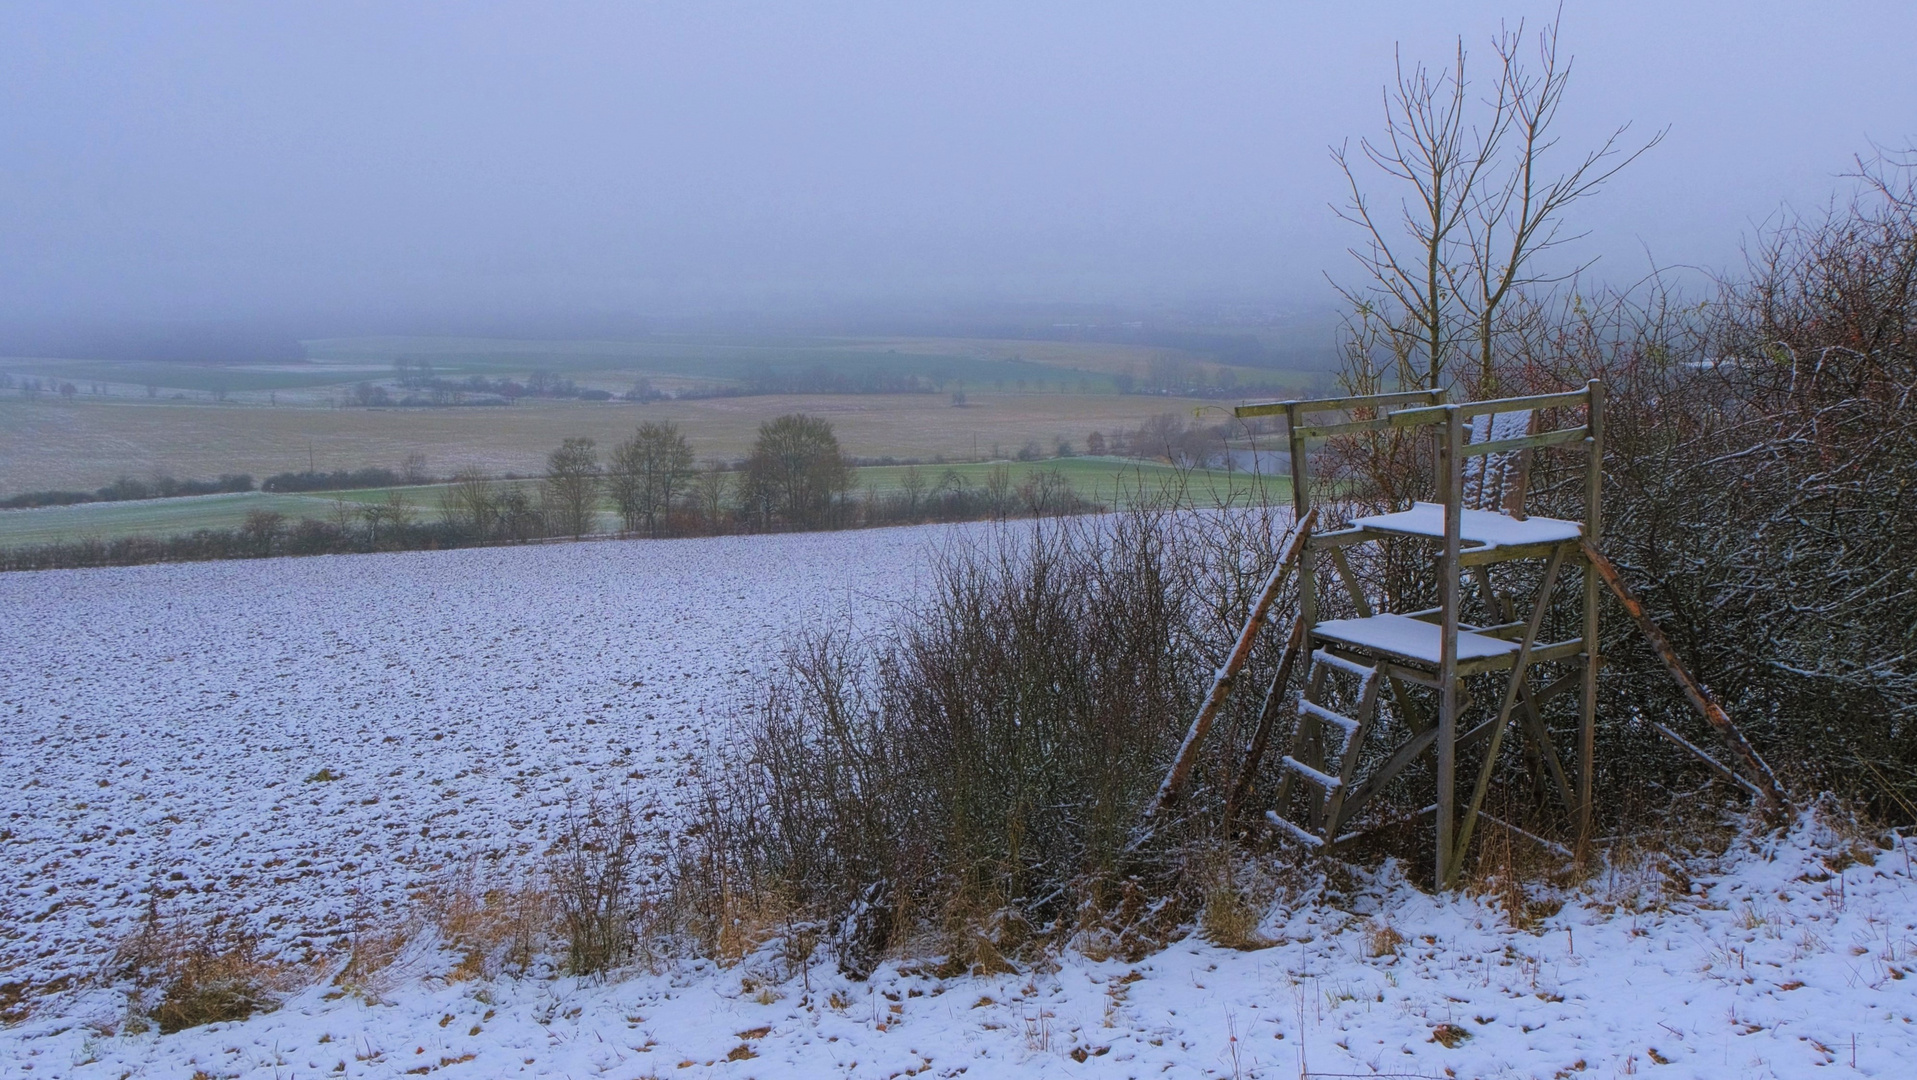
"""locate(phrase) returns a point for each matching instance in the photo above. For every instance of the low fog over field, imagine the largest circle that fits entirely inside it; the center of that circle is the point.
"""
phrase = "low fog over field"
(546, 166)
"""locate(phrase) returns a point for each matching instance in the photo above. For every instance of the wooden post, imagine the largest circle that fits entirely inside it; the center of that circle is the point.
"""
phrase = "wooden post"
(1450, 488)
(1301, 506)
(1587, 687)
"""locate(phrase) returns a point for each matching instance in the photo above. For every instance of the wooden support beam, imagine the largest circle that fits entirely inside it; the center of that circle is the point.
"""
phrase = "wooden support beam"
(1556, 849)
(1519, 666)
(1356, 595)
(1587, 683)
(1531, 704)
(1342, 538)
(1568, 398)
(1717, 766)
(1528, 442)
(1770, 792)
(1362, 401)
(1392, 766)
(1451, 485)
(1267, 716)
(1240, 652)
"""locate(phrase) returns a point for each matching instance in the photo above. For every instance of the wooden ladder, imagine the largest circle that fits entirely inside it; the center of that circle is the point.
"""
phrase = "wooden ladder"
(1327, 768)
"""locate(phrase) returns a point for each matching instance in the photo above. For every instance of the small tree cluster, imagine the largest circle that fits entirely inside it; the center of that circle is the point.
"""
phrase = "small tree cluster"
(796, 474)
(650, 472)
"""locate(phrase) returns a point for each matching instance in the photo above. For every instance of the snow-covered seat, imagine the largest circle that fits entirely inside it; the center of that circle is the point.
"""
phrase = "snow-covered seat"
(1412, 640)
(1476, 528)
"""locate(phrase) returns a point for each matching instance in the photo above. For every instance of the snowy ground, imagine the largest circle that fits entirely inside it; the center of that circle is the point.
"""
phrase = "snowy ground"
(162, 721)
(163, 724)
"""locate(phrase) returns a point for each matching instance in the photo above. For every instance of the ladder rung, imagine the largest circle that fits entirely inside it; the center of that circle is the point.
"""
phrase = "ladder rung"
(1308, 708)
(1301, 835)
(1323, 780)
(1363, 671)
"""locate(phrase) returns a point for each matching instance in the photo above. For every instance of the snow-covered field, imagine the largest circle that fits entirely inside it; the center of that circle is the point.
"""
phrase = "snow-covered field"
(162, 725)
(165, 724)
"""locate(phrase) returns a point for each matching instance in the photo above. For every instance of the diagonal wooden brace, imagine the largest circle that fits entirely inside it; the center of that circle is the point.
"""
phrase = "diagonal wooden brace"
(1770, 792)
(1221, 685)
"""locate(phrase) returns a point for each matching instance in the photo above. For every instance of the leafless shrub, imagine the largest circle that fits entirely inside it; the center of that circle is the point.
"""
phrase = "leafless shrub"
(594, 873)
(977, 770)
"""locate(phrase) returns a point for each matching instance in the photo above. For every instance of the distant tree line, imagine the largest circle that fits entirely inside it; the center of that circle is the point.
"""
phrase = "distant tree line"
(339, 480)
(820, 379)
(422, 388)
(1172, 438)
(796, 478)
(32, 386)
(127, 488)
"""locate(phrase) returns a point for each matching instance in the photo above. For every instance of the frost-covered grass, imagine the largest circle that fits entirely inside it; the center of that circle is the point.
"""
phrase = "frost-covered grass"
(1773, 965)
(310, 743)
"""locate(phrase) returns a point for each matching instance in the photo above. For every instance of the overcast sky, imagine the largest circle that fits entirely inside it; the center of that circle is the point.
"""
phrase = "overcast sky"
(274, 158)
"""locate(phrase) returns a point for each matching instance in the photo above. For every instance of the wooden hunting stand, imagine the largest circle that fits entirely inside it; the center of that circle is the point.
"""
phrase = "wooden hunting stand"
(1421, 660)
(1477, 523)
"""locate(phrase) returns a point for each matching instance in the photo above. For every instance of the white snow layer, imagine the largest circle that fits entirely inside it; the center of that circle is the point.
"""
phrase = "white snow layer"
(162, 722)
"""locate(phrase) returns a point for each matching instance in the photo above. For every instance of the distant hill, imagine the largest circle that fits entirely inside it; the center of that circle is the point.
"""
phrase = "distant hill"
(149, 342)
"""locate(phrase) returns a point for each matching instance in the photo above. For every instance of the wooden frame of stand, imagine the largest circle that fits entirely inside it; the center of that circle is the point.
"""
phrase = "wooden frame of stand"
(1428, 648)
(1339, 799)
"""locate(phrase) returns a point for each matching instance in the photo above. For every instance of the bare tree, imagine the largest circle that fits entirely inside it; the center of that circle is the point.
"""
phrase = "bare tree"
(796, 469)
(912, 482)
(998, 490)
(516, 515)
(398, 510)
(470, 502)
(710, 487)
(1479, 208)
(376, 516)
(572, 486)
(263, 528)
(648, 472)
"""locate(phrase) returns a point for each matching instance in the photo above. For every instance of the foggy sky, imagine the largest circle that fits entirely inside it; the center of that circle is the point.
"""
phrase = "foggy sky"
(281, 159)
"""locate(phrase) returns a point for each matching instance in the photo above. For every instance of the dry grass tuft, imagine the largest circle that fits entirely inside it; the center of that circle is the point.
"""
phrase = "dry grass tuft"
(371, 955)
(982, 938)
(1521, 877)
(1449, 1035)
(196, 974)
(1133, 923)
(492, 931)
(1230, 919)
(1382, 939)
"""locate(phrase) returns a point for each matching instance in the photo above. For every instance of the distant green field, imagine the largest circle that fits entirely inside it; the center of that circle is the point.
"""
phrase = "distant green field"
(166, 378)
(156, 517)
(1108, 480)
(1111, 481)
